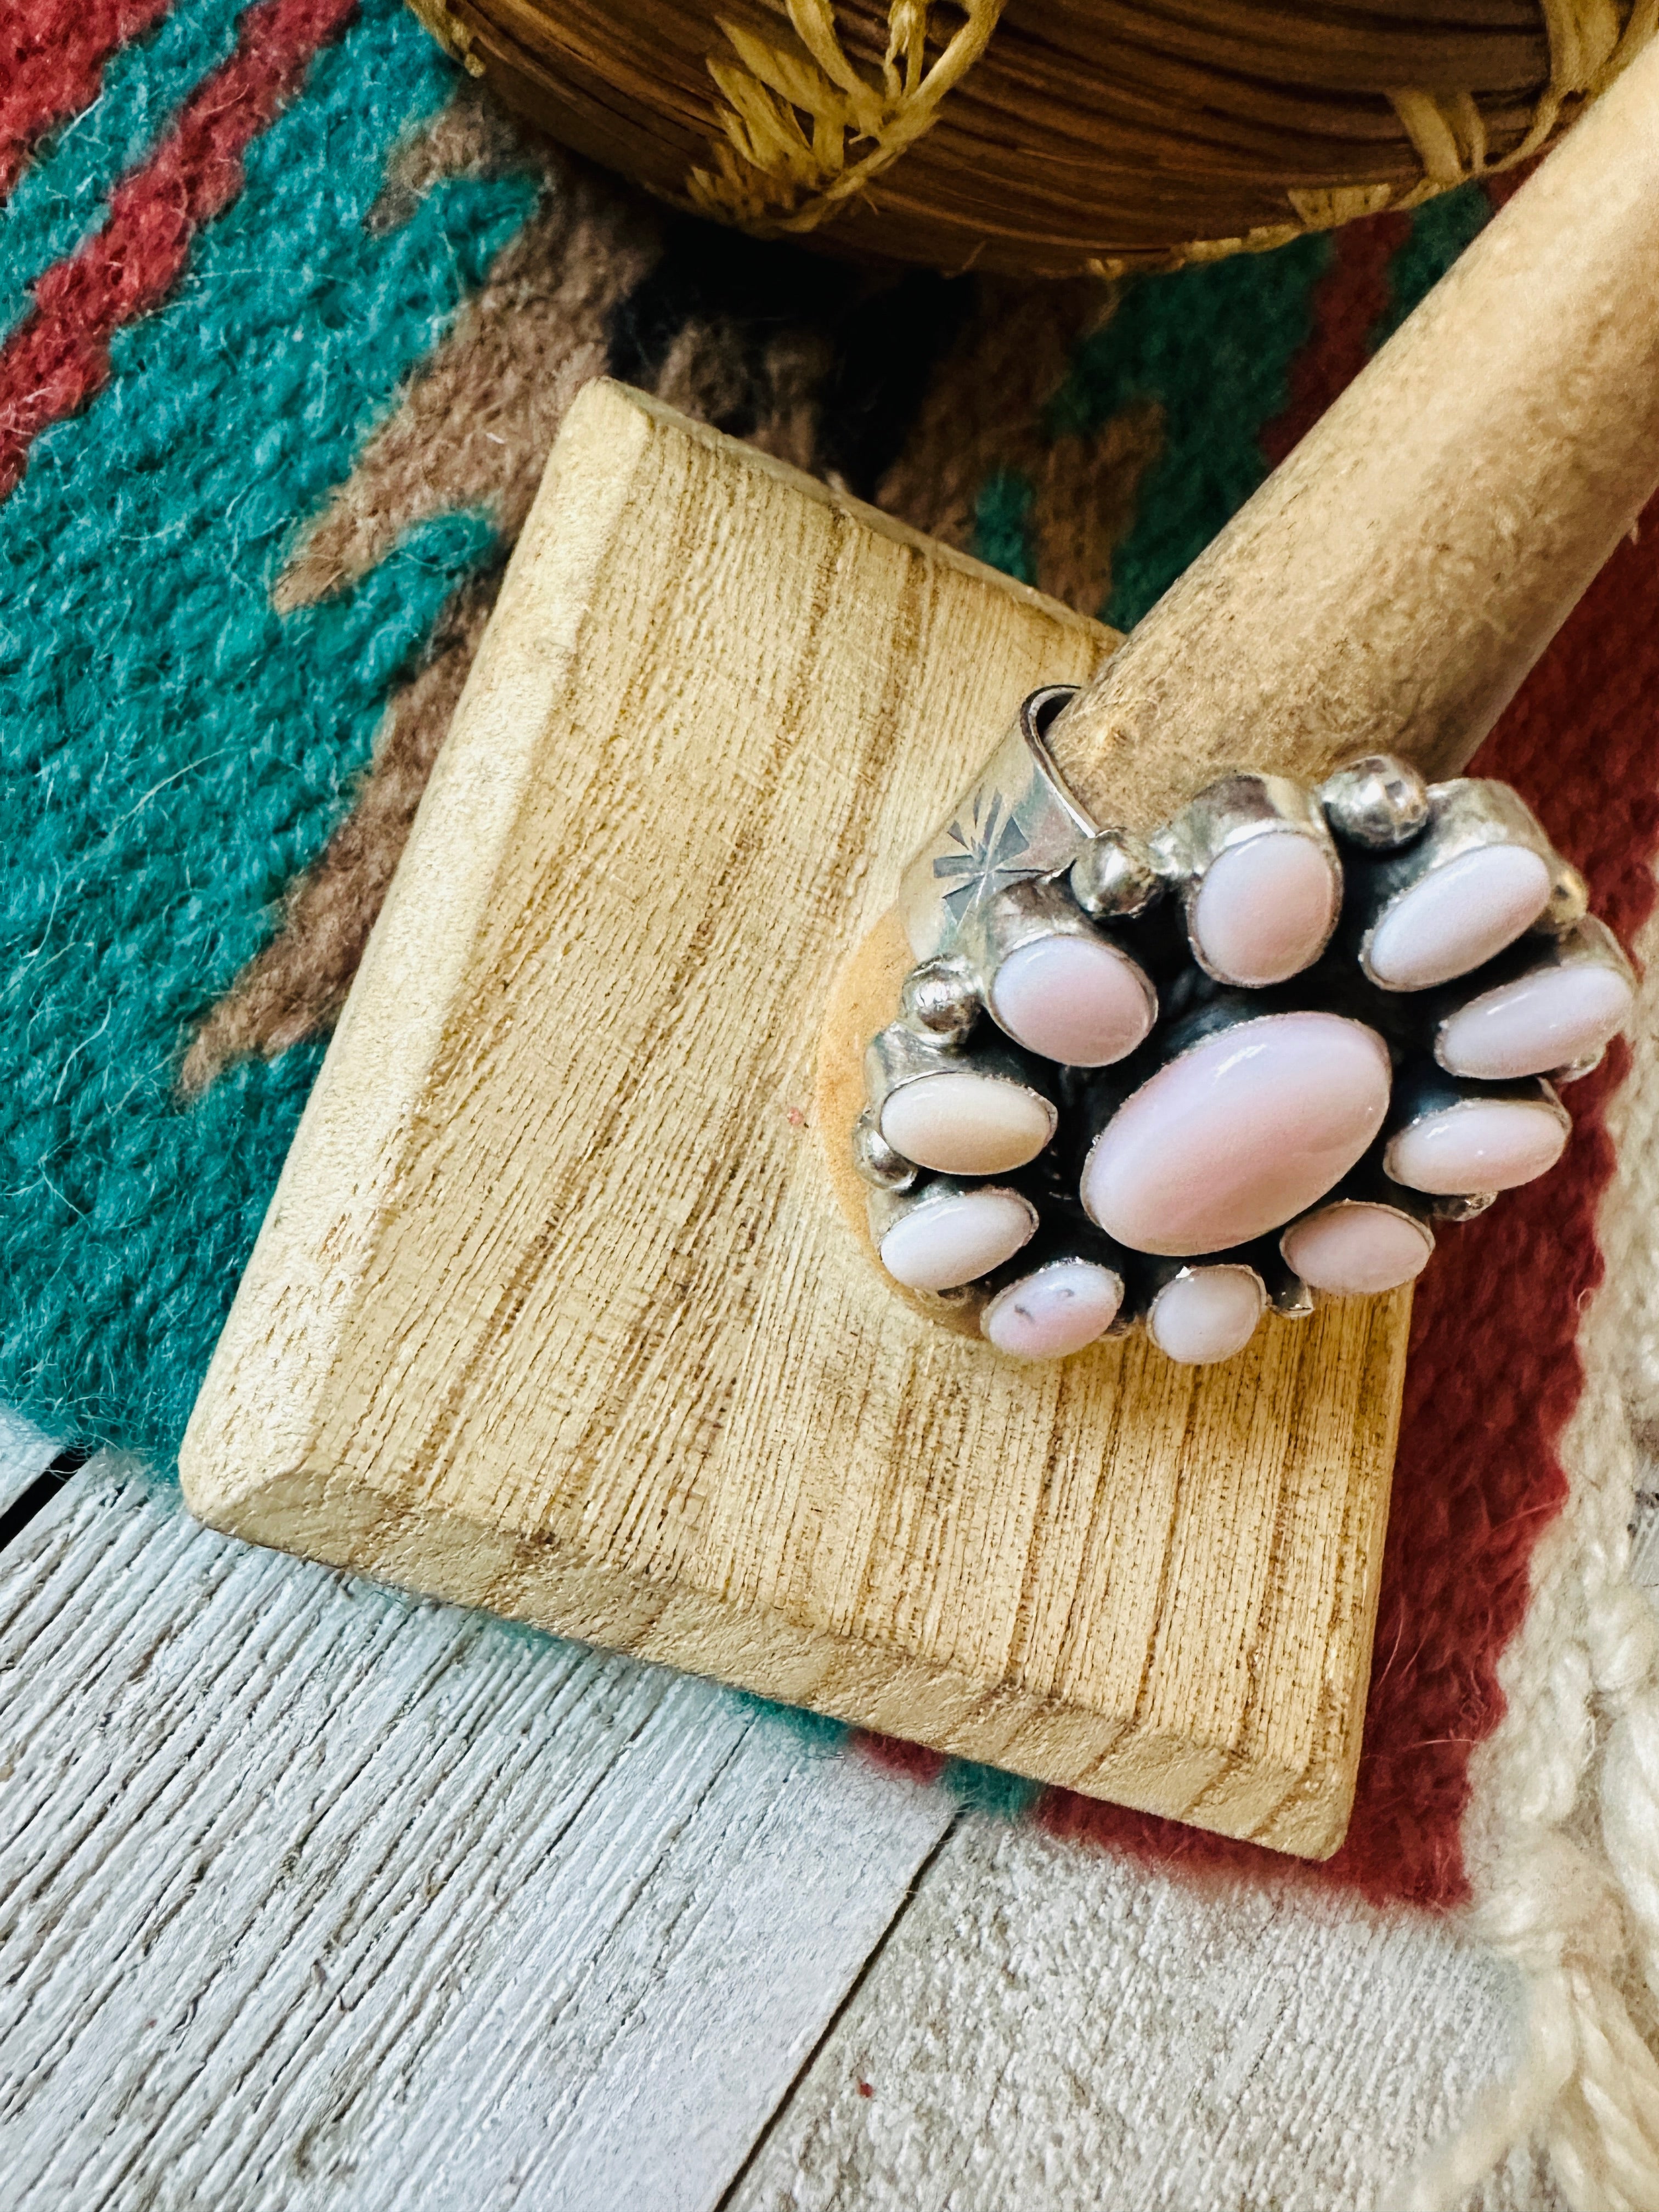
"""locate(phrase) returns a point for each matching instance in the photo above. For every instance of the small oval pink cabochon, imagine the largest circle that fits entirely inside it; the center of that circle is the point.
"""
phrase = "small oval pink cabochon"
(1207, 1314)
(1355, 1248)
(1238, 1134)
(1536, 1022)
(1057, 1309)
(1266, 907)
(1073, 999)
(959, 1122)
(1485, 1144)
(1459, 917)
(956, 1237)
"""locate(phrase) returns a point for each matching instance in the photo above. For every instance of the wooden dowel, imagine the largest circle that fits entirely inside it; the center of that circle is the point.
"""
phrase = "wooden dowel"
(1390, 586)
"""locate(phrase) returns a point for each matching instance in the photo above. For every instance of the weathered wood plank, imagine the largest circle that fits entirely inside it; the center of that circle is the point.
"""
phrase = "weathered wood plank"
(25, 1455)
(1054, 2028)
(318, 1895)
(1645, 1529)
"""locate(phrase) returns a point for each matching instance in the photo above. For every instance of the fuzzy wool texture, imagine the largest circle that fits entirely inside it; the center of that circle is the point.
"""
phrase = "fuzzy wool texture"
(58, 201)
(174, 752)
(52, 54)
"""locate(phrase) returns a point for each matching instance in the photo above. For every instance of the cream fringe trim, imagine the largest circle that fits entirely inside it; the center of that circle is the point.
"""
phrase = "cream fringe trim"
(1588, 50)
(1562, 1834)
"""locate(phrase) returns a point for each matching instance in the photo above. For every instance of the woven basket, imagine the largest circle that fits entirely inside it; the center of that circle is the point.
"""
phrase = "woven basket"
(1045, 136)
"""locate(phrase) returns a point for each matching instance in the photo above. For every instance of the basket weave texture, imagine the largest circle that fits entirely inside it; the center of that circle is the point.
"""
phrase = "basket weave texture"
(1045, 137)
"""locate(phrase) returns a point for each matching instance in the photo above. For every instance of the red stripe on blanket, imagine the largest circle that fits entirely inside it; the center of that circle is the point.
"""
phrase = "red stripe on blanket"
(58, 357)
(1495, 1372)
(52, 62)
(1349, 300)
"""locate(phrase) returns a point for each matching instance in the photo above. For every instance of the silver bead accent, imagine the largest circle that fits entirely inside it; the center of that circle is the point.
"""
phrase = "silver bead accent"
(1290, 1298)
(1113, 877)
(1465, 1208)
(1378, 802)
(1569, 901)
(875, 1159)
(941, 998)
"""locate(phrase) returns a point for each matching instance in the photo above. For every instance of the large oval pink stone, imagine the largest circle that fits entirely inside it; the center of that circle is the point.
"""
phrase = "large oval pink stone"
(1238, 1134)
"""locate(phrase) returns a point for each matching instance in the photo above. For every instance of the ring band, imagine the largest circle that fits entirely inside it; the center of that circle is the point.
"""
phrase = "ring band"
(1018, 820)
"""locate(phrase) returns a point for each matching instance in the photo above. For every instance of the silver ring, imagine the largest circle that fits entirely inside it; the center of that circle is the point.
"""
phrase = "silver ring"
(1129, 1075)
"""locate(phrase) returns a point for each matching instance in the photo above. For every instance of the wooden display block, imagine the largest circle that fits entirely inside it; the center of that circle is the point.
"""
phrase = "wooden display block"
(555, 1311)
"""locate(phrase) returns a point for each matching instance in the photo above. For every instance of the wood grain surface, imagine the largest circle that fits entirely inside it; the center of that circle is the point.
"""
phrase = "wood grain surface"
(321, 1899)
(25, 1455)
(1391, 584)
(555, 1312)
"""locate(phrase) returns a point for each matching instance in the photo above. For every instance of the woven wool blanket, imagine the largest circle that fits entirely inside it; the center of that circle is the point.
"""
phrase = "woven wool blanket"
(291, 314)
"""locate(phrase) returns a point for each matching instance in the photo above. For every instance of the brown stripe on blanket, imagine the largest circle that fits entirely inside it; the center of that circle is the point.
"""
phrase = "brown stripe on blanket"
(473, 429)
(984, 415)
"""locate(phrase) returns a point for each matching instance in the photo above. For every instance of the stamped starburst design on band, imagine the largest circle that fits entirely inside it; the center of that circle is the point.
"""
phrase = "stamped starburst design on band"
(987, 861)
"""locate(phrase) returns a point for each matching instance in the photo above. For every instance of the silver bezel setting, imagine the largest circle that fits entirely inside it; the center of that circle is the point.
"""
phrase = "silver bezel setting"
(1468, 816)
(1018, 821)
(1586, 943)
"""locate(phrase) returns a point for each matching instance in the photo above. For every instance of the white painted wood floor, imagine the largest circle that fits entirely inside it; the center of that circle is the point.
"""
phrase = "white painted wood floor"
(312, 1894)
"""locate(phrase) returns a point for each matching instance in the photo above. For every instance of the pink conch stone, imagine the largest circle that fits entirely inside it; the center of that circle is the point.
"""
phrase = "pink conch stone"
(1459, 917)
(1266, 907)
(1238, 1134)
(1538, 1022)
(954, 1239)
(1487, 1144)
(1057, 1309)
(1073, 999)
(1354, 1249)
(1207, 1314)
(961, 1123)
